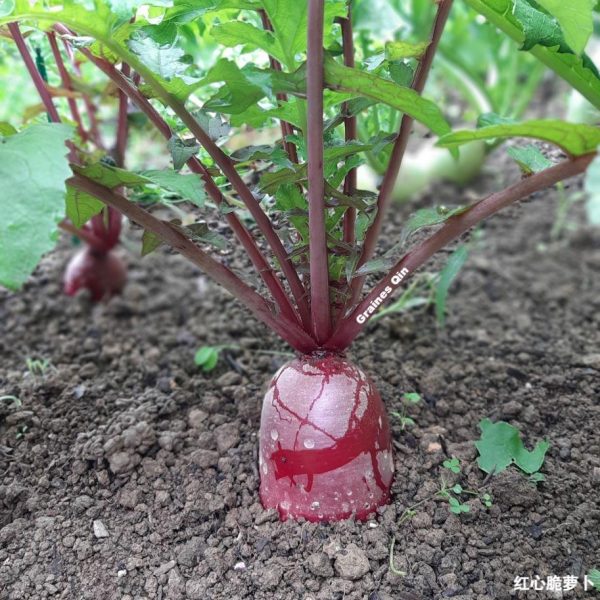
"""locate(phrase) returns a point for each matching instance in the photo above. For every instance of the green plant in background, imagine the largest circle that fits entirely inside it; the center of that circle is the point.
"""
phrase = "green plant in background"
(466, 74)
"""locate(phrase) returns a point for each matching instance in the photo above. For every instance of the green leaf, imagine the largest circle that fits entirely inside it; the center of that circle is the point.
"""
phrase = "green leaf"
(239, 33)
(401, 98)
(452, 464)
(529, 158)
(574, 138)
(207, 357)
(448, 274)
(400, 50)
(164, 60)
(189, 187)
(290, 200)
(6, 129)
(550, 47)
(240, 90)
(81, 207)
(33, 169)
(182, 150)
(215, 127)
(594, 578)
(200, 232)
(289, 19)
(412, 397)
(538, 27)
(500, 445)
(576, 19)
(110, 177)
(126, 9)
(270, 182)
(150, 242)
(276, 155)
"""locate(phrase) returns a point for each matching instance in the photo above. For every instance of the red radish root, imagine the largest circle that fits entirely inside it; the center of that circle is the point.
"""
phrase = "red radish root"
(325, 445)
(102, 273)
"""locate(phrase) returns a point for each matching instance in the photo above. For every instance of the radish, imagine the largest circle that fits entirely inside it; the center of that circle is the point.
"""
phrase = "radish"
(325, 446)
(103, 274)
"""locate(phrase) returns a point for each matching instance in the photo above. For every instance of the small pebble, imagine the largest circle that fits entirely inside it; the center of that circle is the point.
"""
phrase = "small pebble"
(100, 530)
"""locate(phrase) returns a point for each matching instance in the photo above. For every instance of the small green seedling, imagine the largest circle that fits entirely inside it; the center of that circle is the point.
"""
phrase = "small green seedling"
(452, 464)
(501, 445)
(409, 398)
(11, 400)
(457, 507)
(455, 504)
(593, 578)
(207, 357)
(38, 367)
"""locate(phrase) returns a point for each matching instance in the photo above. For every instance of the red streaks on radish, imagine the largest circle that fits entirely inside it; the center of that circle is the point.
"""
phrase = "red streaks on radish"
(102, 273)
(325, 446)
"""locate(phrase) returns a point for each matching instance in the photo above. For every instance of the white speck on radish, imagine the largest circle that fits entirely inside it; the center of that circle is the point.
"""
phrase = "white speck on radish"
(274, 435)
(308, 443)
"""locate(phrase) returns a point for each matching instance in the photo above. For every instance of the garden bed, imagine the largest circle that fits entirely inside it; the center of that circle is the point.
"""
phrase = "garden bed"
(128, 473)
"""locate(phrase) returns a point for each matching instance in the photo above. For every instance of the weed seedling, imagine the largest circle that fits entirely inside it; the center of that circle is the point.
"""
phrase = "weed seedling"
(408, 399)
(37, 367)
(500, 446)
(11, 400)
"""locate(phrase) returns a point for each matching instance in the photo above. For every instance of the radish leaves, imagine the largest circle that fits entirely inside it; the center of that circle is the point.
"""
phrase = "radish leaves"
(33, 169)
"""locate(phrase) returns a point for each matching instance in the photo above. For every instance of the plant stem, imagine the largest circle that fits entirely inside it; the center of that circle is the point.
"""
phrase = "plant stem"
(288, 330)
(67, 84)
(351, 132)
(286, 128)
(262, 220)
(122, 123)
(94, 131)
(389, 179)
(84, 235)
(243, 235)
(453, 228)
(37, 79)
(319, 268)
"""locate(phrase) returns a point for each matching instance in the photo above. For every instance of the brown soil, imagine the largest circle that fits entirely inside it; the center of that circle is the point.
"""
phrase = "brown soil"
(128, 473)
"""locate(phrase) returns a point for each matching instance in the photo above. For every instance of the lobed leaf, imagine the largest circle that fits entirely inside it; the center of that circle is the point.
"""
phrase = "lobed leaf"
(574, 138)
(500, 445)
(33, 169)
(406, 100)
(189, 187)
(576, 19)
(534, 30)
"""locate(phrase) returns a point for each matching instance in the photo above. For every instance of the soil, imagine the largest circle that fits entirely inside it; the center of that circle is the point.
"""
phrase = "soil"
(129, 473)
